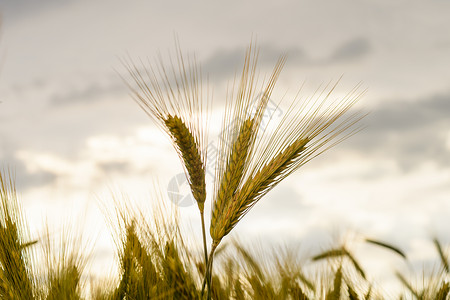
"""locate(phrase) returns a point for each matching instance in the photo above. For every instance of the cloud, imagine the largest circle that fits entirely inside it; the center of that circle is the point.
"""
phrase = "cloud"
(351, 50)
(22, 8)
(24, 178)
(88, 93)
(121, 167)
(224, 63)
(411, 133)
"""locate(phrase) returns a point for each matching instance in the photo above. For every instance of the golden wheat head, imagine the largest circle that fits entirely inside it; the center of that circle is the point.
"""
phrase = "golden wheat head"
(173, 97)
(240, 127)
(16, 280)
(253, 165)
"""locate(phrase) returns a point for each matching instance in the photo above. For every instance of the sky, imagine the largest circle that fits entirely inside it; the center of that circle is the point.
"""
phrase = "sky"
(74, 137)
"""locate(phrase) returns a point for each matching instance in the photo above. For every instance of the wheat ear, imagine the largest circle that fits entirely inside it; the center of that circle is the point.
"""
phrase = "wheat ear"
(304, 133)
(190, 154)
(174, 99)
(233, 161)
(232, 176)
(239, 134)
(16, 281)
(265, 179)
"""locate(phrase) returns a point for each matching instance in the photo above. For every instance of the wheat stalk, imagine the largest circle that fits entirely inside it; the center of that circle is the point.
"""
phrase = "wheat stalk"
(254, 167)
(174, 99)
(247, 167)
(233, 162)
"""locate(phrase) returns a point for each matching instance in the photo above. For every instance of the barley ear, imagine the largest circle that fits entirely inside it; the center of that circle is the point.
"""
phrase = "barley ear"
(190, 154)
(15, 276)
(265, 179)
(231, 178)
(171, 93)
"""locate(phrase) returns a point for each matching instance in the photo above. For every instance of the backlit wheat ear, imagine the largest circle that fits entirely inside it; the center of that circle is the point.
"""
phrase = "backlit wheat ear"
(251, 167)
(16, 281)
(191, 156)
(304, 133)
(234, 169)
(174, 99)
(240, 128)
(255, 187)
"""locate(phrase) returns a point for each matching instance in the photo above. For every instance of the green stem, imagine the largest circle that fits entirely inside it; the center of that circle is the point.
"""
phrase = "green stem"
(208, 273)
(205, 249)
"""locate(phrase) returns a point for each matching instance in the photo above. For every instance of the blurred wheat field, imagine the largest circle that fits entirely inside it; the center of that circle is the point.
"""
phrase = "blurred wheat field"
(156, 263)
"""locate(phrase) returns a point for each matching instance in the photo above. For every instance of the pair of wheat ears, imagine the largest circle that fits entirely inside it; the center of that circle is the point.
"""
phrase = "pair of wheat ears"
(250, 161)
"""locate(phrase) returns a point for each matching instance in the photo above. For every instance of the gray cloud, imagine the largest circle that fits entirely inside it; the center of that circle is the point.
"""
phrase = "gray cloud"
(92, 92)
(224, 63)
(24, 179)
(409, 132)
(22, 8)
(122, 167)
(353, 49)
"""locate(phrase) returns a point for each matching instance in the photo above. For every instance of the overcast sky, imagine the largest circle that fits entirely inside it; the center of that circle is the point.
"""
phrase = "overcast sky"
(72, 133)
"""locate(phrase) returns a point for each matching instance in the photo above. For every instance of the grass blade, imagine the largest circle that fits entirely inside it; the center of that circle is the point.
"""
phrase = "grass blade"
(442, 256)
(386, 246)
